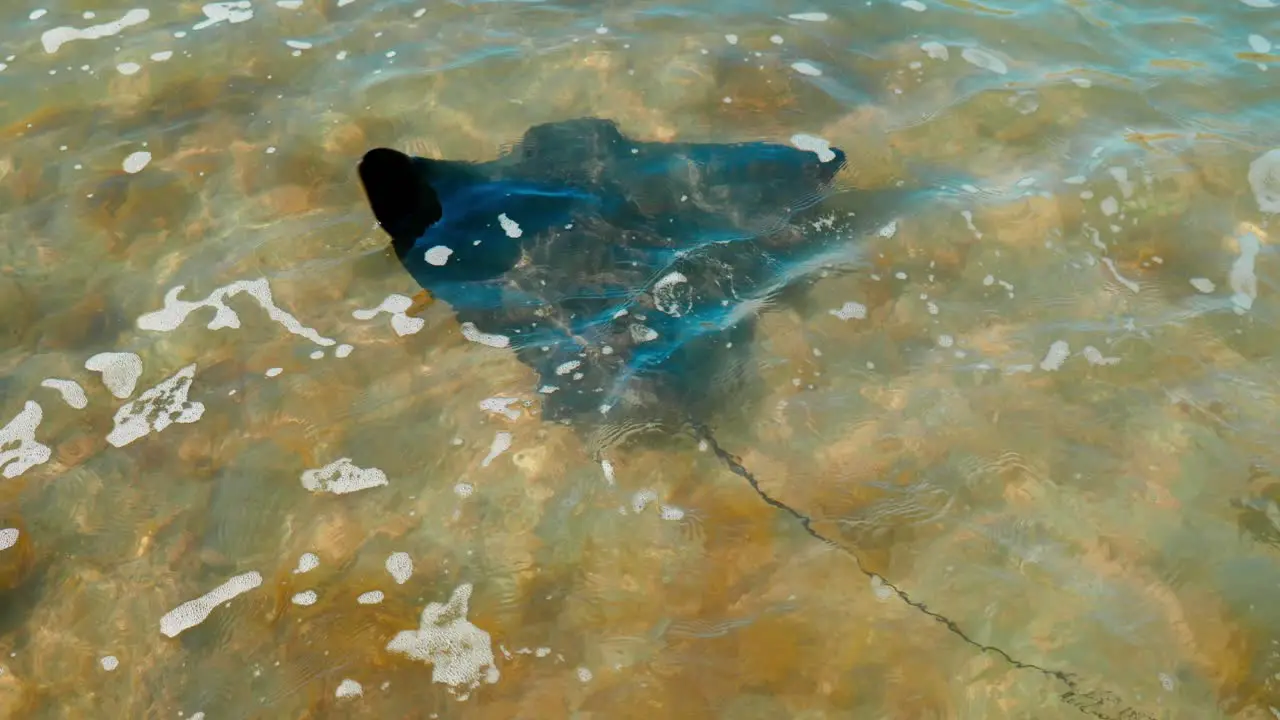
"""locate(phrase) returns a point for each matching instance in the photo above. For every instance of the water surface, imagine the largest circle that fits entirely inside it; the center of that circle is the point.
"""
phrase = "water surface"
(1035, 425)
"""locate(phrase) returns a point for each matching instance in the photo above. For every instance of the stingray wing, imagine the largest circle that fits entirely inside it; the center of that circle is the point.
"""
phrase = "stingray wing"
(741, 190)
(712, 192)
(576, 152)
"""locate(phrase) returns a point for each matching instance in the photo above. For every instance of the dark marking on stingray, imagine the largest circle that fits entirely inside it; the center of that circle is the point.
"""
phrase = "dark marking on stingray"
(627, 274)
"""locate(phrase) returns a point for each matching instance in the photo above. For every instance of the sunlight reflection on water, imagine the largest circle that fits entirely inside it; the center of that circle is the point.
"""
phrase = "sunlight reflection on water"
(247, 472)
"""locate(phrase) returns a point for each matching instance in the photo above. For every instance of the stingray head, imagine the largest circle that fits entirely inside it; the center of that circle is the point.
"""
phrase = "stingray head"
(400, 194)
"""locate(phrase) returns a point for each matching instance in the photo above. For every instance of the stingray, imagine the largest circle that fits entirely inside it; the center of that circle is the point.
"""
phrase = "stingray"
(626, 274)
(629, 275)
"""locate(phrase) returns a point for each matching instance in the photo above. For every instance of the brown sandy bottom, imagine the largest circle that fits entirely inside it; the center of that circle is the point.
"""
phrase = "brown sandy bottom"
(1030, 416)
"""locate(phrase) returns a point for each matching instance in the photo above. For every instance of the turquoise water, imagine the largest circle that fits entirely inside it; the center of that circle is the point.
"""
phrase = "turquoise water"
(1021, 454)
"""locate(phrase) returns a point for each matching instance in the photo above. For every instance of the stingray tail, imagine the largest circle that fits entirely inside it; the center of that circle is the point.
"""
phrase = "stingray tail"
(702, 434)
(941, 183)
(1098, 703)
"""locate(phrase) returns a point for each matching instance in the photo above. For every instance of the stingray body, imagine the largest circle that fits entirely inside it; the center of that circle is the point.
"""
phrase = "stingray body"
(627, 274)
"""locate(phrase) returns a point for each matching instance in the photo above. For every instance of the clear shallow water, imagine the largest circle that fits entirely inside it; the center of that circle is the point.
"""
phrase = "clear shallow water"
(1048, 415)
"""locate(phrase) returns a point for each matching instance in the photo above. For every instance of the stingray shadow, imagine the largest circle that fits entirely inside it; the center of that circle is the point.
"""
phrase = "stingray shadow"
(626, 274)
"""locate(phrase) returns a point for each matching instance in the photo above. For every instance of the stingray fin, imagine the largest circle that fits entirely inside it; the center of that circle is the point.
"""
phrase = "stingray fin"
(400, 195)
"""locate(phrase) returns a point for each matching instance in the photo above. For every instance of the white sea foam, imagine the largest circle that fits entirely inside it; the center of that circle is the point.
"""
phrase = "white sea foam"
(19, 449)
(120, 371)
(935, 50)
(306, 563)
(814, 144)
(394, 305)
(460, 653)
(501, 444)
(341, 477)
(70, 390)
(1204, 285)
(509, 226)
(1111, 265)
(157, 409)
(641, 333)
(175, 310)
(1264, 180)
(400, 565)
(1058, 353)
(348, 688)
(1094, 356)
(470, 332)
(1242, 278)
(501, 406)
(671, 294)
(850, 311)
(193, 612)
(641, 500)
(236, 11)
(135, 161)
(806, 68)
(438, 255)
(670, 512)
(985, 60)
(55, 38)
